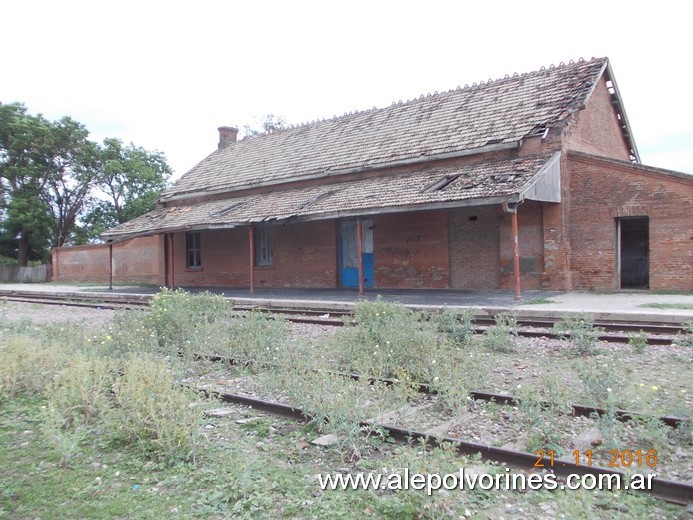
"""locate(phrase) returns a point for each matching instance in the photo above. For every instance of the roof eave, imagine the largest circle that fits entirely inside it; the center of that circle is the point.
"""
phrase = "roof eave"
(462, 203)
(626, 128)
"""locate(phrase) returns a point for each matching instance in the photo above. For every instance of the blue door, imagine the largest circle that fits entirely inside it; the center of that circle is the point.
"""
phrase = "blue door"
(348, 253)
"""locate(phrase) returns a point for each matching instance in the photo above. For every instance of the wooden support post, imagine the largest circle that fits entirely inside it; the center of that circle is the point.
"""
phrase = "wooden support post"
(516, 254)
(166, 260)
(251, 236)
(171, 264)
(110, 266)
(359, 252)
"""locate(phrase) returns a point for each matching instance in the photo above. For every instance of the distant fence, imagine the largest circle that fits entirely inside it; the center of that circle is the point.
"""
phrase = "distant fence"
(36, 274)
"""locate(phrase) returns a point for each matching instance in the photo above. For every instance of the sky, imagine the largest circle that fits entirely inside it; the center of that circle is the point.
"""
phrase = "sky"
(166, 75)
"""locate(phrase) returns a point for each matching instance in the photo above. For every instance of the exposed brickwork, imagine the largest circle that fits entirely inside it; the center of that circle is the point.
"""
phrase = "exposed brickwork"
(603, 190)
(596, 129)
(139, 260)
(475, 247)
(566, 245)
(556, 274)
(410, 250)
(305, 255)
(531, 245)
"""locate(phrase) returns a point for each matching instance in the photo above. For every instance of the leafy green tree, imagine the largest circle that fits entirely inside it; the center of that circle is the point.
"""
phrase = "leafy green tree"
(23, 165)
(129, 181)
(46, 172)
(53, 178)
(72, 173)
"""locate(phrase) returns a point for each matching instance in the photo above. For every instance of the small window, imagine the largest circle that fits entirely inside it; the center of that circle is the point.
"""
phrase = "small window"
(192, 247)
(263, 246)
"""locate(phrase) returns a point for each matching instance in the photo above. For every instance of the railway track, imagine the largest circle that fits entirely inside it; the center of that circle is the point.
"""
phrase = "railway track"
(614, 332)
(669, 490)
(672, 491)
(578, 410)
(676, 492)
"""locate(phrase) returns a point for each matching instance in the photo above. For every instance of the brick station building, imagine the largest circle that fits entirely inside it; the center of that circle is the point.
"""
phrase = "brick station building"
(531, 179)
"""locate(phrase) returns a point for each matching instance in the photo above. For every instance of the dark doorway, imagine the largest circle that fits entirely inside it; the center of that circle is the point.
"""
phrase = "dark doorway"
(634, 254)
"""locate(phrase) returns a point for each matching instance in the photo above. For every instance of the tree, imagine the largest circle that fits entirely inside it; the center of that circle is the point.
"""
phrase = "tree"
(270, 123)
(50, 173)
(23, 163)
(71, 175)
(130, 180)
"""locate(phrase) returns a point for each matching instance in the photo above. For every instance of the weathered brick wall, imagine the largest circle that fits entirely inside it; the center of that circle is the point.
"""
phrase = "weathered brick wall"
(304, 254)
(224, 256)
(531, 246)
(475, 247)
(139, 260)
(596, 129)
(603, 190)
(410, 250)
(556, 274)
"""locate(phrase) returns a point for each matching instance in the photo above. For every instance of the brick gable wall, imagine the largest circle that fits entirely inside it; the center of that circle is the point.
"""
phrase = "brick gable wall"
(596, 129)
(601, 192)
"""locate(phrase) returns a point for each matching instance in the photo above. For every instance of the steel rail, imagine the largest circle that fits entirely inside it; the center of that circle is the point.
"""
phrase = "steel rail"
(676, 492)
(308, 315)
(672, 491)
(578, 410)
(121, 302)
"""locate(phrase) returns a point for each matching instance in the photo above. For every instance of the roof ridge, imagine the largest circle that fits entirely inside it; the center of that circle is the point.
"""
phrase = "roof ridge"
(422, 96)
(495, 112)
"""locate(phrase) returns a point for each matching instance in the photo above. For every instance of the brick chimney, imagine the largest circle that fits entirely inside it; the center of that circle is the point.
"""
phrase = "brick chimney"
(227, 136)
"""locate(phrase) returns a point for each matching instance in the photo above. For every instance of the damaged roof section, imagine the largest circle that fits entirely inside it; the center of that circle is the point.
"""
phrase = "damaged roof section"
(502, 180)
(493, 115)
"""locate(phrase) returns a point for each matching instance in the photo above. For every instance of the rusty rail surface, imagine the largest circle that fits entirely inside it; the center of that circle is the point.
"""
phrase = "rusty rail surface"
(669, 490)
(527, 327)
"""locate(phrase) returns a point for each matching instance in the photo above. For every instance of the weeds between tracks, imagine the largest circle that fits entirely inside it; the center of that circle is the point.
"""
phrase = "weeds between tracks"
(116, 392)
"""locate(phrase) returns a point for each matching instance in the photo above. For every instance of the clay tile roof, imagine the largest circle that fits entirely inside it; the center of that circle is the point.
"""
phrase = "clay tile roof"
(492, 113)
(469, 183)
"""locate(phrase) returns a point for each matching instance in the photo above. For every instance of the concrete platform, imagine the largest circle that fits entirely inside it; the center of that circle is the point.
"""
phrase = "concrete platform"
(626, 305)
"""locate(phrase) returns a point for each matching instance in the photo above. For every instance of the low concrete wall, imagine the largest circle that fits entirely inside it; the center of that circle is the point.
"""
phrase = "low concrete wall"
(140, 260)
(35, 274)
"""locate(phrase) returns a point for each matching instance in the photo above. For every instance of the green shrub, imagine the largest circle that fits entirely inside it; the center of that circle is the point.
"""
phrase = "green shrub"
(78, 398)
(539, 410)
(132, 331)
(28, 366)
(457, 325)
(81, 392)
(178, 317)
(501, 337)
(686, 338)
(581, 332)
(606, 385)
(154, 413)
(454, 373)
(638, 342)
(255, 336)
(339, 405)
(386, 340)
